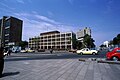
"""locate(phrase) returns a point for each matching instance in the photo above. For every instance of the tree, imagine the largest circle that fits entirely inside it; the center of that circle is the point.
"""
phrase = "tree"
(102, 46)
(79, 44)
(115, 41)
(88, 41)
(118, 39)
(23, 44)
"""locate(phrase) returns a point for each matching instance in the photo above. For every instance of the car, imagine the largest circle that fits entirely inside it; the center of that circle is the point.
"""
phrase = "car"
(5, 53)
(30, 51)
(23, 51)
(114, 54)
(41, 50)
(73, 50)
(86, 51)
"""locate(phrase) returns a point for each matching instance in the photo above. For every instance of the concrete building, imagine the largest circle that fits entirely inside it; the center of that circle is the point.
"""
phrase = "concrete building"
(53, 39)
(34, 42)
(81, 33)
(106, 43)
(10, 31)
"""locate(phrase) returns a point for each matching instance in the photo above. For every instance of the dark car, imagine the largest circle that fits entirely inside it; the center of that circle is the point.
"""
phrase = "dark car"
(114, 54)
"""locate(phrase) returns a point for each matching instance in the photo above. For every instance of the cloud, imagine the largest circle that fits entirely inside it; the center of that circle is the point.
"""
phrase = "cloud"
(34, 24)
(6, 6)
(108, 7)
(20, 1)
(45, 19)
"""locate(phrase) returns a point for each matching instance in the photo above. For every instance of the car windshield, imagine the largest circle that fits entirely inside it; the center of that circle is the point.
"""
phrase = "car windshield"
(111, 49)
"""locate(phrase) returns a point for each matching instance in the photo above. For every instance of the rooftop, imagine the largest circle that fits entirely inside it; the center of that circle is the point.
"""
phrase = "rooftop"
(51, 32)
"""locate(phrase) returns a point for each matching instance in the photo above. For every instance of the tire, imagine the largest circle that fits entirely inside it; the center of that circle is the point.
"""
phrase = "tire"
(81, 53)
(115, 58)
(94, 53)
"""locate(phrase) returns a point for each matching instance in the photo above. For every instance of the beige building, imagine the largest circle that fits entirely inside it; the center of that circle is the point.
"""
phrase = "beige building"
(54, 40)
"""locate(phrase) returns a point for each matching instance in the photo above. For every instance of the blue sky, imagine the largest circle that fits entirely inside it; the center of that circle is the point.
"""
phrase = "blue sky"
(102, 16)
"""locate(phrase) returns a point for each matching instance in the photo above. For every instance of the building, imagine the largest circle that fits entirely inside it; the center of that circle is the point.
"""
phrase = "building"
(54, 40)
(81, 33)
(106, 43)
(34, 43)
(10, 31)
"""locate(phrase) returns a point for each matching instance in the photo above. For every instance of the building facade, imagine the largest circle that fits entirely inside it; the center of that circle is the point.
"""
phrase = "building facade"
(54, 40)
(34, 43)
(10, 31)
(81, 33)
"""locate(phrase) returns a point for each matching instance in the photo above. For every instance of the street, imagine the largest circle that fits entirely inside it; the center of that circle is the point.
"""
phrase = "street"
(58, 66)
(54, 55)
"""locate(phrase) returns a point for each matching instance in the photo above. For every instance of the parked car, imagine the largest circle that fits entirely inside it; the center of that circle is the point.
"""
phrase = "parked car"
(87, 51)
(23, 51)
(41, 50)
(73, 50)
(29, 50)
(5, 53)
(114, 54)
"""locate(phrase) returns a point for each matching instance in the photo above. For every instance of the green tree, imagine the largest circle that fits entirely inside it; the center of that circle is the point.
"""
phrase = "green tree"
(79, 44)
(115, 41)
(110, 42)
(102, 46)
(88, 41)
(118, 39)
(23, 44)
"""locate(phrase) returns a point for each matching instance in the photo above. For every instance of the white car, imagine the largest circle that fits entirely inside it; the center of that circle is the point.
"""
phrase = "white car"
(29, 50)
(87, 51)
(23, 51)
(5, 53)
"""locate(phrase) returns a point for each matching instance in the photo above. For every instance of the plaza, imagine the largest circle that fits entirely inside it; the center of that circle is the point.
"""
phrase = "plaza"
(23, 67)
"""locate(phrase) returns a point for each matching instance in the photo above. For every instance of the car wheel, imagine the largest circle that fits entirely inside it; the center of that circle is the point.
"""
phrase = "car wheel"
(115, 58)
(81, 53)
(94, 53)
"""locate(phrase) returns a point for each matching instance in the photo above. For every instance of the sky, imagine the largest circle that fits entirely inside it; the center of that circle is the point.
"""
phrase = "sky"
(102, 16)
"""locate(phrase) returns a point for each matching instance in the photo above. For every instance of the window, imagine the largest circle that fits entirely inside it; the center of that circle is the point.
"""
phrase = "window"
(118, 51)
(7, 23)
(69, 34)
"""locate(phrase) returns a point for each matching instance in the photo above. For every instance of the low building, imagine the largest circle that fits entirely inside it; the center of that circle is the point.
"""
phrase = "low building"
(34, 43)
(54, 40)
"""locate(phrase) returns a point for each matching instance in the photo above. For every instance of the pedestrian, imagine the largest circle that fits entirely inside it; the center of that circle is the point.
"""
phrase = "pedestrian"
(1, 61)
(51, 50)
(9, 52)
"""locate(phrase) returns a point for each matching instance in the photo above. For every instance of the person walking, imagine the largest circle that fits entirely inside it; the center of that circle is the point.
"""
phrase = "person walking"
(51, 50)
(1, 60)
(9, 52)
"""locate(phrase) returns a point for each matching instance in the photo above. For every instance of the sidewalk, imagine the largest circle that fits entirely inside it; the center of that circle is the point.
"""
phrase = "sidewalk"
(60, 69)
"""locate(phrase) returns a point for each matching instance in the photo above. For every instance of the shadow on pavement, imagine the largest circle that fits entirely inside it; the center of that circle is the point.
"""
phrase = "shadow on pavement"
(10, 74)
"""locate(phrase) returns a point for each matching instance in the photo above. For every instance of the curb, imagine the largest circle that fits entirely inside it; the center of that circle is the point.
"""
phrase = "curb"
(109, 62)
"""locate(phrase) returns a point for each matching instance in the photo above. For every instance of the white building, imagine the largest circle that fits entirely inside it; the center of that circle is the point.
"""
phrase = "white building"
(81, 33)
(106, 43)
(53, 39)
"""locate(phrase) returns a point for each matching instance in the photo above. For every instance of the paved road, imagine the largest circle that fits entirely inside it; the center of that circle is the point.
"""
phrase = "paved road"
(47, 55)
(38, 67)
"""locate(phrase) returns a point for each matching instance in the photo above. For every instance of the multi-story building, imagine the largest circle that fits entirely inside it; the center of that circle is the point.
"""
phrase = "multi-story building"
(34, 43)
(54, 40)
(10, 31)
(81, 33)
